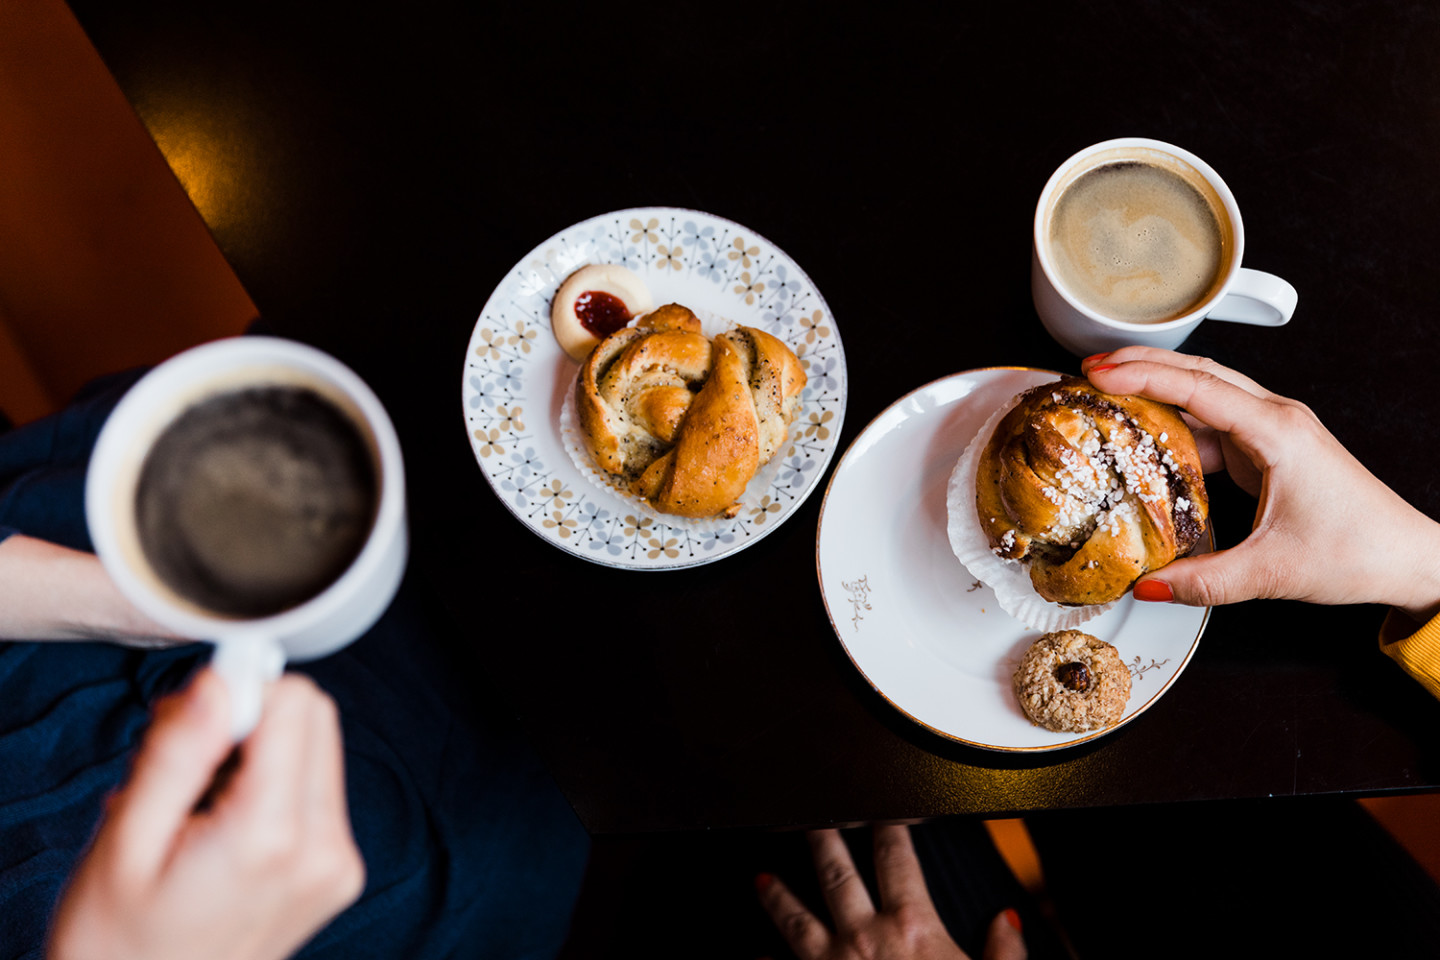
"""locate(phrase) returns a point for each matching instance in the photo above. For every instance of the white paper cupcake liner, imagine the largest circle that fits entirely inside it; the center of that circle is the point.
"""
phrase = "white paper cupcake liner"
(1009, 579)
(570, 434)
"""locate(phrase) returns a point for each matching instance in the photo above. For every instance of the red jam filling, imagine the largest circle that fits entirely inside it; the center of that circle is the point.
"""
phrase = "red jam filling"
(600, 313)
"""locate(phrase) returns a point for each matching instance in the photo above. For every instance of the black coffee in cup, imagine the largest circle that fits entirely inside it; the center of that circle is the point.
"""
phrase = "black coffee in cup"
(254, 501)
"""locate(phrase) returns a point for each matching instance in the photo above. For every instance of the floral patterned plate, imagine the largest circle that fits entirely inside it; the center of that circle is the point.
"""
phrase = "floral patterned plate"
(516, 379)
(927, 636)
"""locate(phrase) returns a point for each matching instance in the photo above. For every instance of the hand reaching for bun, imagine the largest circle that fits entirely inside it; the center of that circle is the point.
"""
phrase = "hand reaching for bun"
(1326, 529)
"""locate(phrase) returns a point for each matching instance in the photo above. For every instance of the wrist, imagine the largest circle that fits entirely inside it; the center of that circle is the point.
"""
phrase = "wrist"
(1419, 599)
(50, 592)
(105, 613)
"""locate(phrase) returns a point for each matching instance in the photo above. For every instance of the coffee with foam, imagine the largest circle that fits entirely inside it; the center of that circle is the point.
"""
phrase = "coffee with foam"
(1139, 238)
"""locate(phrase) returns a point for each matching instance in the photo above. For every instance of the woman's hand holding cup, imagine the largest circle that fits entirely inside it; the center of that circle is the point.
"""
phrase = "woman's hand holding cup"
(250, 873)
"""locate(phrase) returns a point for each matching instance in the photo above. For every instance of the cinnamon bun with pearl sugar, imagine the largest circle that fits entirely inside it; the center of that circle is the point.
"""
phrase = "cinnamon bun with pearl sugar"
(1091, 490)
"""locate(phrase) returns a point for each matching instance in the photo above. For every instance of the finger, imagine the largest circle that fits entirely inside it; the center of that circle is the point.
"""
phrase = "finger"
(1243, 572)
(897, 870)
(325, 787)
(327, 811)
(1004, 941)
(267, 788)
(1183, 361)
(1207, 441)
(1215, 402)
(186, 742)
(845, 893)
(330, 841)
(801, 929)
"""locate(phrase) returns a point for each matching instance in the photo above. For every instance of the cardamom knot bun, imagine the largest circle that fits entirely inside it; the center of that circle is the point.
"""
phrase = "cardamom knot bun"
(1091, 490)
(685, 421)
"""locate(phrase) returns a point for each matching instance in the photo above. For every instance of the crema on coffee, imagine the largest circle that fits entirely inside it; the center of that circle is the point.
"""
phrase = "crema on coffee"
(1139, 242)
(253, 501)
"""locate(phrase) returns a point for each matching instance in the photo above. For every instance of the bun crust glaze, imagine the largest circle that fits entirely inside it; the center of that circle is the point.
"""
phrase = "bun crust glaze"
(684, 421)
(1092, 490)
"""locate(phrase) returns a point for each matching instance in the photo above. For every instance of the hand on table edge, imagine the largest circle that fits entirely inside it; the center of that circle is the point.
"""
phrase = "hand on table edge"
(906, 925)
(251, 875)
(1315, 498)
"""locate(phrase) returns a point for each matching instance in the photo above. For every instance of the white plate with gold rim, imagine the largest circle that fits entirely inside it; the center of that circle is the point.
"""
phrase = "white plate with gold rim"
(926, 635)
(516, 378)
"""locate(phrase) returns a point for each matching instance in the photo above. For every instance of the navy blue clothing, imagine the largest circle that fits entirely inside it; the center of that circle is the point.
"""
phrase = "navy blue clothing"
(470, 850)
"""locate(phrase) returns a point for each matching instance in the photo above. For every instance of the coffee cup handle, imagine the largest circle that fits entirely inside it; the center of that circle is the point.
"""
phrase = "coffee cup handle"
(247, 664)
(1257, 297)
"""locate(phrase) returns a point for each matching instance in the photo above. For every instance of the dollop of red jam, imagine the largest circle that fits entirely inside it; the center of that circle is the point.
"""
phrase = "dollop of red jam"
(601, 313)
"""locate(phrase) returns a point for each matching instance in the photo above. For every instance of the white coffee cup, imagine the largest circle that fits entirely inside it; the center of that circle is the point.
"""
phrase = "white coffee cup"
(249, 652)
(1239, 294)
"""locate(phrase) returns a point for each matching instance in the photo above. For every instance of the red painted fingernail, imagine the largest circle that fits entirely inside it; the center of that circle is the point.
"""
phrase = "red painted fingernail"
(1094, 358)
(763, 881)
(1103, 367)
(1154, 591)
(1013, 916)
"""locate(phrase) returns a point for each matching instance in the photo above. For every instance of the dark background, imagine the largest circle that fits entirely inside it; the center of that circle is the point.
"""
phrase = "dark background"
(372, 172)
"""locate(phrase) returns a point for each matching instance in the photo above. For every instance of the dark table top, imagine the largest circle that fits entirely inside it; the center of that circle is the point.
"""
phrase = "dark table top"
(373, 173)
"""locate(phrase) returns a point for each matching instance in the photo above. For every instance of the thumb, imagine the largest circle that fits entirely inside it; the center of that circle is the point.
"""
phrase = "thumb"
(186, 742)
(1003, 941)
(1243, 572)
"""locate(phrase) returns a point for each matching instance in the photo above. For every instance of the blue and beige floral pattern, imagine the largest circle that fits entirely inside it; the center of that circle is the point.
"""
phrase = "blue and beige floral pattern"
(515, 375)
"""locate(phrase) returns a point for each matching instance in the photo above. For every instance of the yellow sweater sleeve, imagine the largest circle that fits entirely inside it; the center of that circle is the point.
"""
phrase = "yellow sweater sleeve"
(1416, 650)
